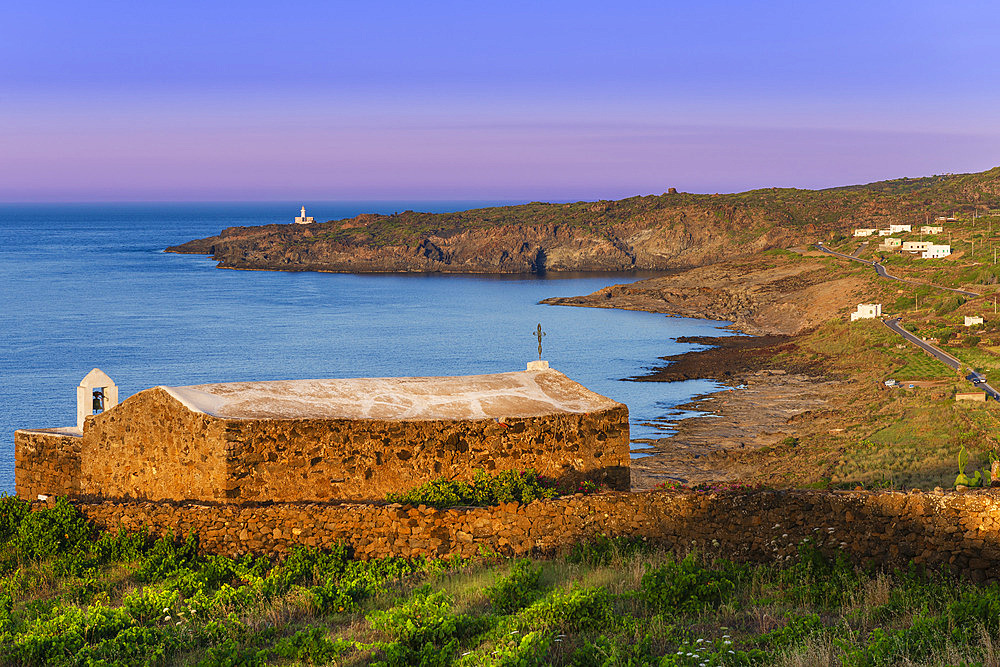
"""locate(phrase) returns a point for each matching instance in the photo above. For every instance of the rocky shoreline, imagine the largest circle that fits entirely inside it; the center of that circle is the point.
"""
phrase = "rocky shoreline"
(755, 409)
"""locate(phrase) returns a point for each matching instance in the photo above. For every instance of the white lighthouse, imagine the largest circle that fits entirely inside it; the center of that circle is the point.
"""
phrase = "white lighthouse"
(303, 219)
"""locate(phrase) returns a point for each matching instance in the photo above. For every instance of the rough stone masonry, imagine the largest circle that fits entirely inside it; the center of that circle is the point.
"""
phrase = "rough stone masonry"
(328, 440)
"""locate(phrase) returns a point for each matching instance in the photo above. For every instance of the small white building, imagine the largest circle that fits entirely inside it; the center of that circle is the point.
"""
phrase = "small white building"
(890, 242)
(916, 246)
(930, 229)
(303, 219)
(867, 311)
(973, 321)
(899, 229)
(865, 232)
(943, 218)
(936, 251)
(884, 232)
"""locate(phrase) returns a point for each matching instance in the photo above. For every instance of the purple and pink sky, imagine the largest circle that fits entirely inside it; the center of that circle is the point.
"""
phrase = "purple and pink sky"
(549, 100)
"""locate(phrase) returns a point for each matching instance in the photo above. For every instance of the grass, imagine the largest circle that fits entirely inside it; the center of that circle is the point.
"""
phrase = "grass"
(606, 602)
(869, 434)
(920, 366)
(975, 357)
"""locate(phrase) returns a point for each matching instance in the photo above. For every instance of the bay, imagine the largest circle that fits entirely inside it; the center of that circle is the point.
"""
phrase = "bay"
(88, 285)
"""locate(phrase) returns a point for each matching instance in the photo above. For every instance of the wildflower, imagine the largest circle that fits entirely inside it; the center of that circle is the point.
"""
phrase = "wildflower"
(177, 623)
(167, 618)
(466, 653)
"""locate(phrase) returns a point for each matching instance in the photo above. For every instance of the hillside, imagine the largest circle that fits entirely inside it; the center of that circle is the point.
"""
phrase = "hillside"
(654, 232)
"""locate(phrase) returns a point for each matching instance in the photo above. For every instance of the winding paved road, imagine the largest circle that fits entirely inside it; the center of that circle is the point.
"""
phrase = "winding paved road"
(937, 353)
(879, 269)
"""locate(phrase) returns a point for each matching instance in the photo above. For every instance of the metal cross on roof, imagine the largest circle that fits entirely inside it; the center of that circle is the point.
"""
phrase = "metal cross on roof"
(538, 334)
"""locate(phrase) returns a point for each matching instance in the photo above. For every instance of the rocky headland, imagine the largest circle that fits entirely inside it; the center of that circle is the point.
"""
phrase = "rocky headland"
(652, 233)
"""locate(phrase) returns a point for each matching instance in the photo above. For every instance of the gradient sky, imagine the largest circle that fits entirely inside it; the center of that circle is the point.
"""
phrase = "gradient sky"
(549, 99)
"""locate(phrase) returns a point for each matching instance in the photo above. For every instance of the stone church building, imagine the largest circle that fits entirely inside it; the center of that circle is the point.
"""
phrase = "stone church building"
(323, 440)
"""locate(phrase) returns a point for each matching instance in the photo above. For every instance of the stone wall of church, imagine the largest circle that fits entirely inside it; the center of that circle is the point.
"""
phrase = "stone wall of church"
(152, 447)
(290, 460)
(46, 464)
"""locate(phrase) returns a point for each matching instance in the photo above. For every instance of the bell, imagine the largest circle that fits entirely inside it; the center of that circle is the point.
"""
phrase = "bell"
(98, 401)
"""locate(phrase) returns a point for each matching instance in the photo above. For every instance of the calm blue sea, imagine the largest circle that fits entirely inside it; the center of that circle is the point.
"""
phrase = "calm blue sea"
(88, 285)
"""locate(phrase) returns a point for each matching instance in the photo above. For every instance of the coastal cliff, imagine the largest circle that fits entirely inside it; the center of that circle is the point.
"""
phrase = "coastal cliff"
(659, 239)
(655, 232)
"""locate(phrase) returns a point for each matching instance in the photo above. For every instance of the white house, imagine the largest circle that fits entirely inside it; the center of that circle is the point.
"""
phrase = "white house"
(945, 219)
(973, 321)
(897, 229)
(303, 219)
(916, 246)
(930, 229)
(891, 242)
(936, 251)
(865, 232)
(884, 232)
(867, 311)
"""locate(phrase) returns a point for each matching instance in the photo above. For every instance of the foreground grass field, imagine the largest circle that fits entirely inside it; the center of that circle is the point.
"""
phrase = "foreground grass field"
(74, 597)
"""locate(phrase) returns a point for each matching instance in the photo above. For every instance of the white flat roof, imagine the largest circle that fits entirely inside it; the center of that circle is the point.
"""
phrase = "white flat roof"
(518, 394)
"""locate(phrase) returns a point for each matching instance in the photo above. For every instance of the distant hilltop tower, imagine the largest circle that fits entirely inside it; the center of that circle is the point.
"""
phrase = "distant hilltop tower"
(302, 219)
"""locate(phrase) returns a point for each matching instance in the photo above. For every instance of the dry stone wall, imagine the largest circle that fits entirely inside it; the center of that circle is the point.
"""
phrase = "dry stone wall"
(47, 464)
(961, 530)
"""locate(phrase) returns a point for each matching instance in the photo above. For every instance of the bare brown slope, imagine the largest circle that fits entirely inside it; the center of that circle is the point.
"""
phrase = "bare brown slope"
(761, 295)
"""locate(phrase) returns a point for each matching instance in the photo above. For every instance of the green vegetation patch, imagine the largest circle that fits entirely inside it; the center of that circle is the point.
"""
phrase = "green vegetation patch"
(920, 366)
(484, 490)
(139, 601)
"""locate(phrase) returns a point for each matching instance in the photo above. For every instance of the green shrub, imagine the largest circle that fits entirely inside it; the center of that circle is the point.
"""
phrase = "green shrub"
(485, 489)
(580, 609)
(167, 557)
(423, 629)
(516, 590)
(12, 513)
(815, 579)
(602, 550)
(311, 645)
(52, 531)
(688, 586)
